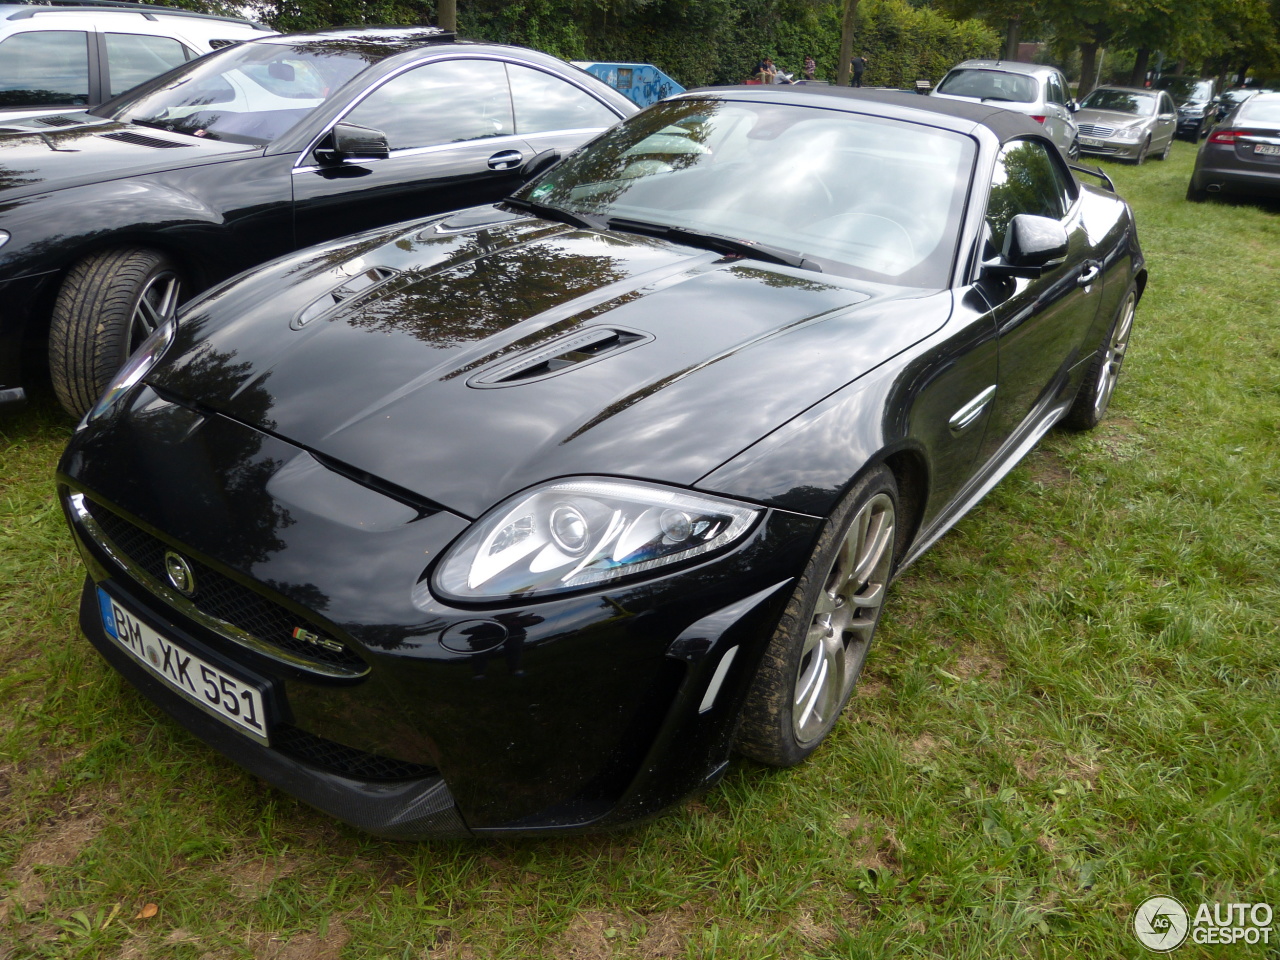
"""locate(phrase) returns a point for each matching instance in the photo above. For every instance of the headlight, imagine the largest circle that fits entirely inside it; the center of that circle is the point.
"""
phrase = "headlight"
(4, 237)
(575, 533)
(1130, 134)
(137, 367)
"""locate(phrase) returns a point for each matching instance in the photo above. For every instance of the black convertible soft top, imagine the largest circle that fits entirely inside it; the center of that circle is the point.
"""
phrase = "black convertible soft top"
(1003, 123)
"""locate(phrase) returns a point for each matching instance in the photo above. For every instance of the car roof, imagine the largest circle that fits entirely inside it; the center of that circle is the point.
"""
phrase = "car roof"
(24, 11)
(1142, 90)
(959, 115)
(1008, 66)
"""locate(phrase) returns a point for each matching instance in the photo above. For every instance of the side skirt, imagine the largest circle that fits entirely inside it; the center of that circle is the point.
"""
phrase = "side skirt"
(1005, 459)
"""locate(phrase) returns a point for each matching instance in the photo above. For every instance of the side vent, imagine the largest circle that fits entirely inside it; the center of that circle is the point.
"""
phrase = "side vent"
(566, 353)
(138, 140)
(357, 284)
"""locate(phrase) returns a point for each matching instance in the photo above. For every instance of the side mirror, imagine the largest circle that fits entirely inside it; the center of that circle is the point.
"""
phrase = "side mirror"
(1032, 245)
(1073, 104)
(539, 163)
(354, 142)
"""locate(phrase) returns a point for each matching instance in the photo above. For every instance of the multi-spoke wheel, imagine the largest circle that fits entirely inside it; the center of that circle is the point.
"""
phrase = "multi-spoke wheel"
(107, 305)
(816, 655)
(1104, 370)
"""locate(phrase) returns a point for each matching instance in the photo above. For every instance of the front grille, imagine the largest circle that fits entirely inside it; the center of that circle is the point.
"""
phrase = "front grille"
(1096, 130)
(224, 600)
(343, 760)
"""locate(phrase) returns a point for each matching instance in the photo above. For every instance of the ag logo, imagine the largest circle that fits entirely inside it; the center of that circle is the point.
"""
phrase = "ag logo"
(1160, 924)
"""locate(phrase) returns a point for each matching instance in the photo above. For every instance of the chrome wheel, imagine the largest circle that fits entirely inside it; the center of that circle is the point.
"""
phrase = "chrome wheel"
(157, 305)
(1113, 358)
(843, 621)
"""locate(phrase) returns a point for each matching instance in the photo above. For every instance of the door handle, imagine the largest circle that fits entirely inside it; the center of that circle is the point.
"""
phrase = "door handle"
(967, 415)
(1089, 274)
(506, 160)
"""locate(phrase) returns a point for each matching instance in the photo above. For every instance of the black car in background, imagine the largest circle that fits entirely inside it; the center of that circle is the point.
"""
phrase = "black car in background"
(1242, 155)
(521, 518)
(112, 217)
(1197, 100)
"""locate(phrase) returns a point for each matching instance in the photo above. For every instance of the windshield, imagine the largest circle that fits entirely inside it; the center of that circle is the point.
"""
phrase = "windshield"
(856, 195)
(1121, 101)
(1186, 88)
(1265, 110)
(989, 85)
(251, 93)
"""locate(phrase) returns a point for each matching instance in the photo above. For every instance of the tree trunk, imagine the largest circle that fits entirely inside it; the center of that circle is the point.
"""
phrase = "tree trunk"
(1139, 75)
(846, 42)
(1088, 67)
(1012, 33)
(1244, 72)
(447, 15)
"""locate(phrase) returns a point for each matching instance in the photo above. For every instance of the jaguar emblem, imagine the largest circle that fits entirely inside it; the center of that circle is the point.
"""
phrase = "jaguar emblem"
(179, 574)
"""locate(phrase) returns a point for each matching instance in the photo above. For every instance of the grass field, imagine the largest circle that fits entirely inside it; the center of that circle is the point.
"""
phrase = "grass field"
(1072, 706)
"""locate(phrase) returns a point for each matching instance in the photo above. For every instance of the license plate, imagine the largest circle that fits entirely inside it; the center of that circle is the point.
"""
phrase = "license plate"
(1092, 142)
(1266, 149)
(232, 700)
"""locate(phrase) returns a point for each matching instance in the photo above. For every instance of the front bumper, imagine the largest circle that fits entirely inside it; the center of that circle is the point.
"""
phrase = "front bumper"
(573, 713)
(1119, 149)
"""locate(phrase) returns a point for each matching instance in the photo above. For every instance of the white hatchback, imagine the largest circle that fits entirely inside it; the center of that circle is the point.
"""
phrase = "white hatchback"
(56, 57)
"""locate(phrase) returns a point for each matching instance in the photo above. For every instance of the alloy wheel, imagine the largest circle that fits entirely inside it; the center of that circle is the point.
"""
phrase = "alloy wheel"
(844, 619)
(1114, 357)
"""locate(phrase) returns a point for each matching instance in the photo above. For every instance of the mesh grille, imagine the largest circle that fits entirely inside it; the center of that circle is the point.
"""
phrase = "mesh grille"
(56, 121)
(221, 597)
(345, 761)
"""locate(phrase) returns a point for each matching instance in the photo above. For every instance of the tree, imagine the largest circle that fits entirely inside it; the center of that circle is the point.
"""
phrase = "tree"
(847, 25)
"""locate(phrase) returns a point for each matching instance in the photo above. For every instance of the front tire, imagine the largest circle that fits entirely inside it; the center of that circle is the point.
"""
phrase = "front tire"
(1091, 402)
(813, 661)
(107, 305)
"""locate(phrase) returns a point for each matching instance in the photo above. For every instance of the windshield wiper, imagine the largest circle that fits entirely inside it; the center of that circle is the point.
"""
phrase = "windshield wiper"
(713, 241)
(548, 212)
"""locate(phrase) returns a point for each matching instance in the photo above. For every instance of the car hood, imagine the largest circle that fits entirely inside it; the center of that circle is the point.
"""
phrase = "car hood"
(490, 351)
(1112, 118)
(40, 154)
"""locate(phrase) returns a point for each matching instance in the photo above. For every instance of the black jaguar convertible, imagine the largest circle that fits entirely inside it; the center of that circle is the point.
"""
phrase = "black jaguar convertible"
(528, 516)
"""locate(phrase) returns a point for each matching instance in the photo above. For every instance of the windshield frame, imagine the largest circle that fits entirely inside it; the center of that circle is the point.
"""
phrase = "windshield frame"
(128, 106)
(933, 271)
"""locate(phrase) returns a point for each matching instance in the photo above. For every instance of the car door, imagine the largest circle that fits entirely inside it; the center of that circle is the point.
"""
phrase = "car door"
(452, 141)
(1166, 125)
(1059, 122)
(551, 113)
(1041, 323)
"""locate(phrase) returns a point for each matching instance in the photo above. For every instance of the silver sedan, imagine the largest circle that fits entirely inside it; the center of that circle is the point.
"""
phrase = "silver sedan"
(1127, 123)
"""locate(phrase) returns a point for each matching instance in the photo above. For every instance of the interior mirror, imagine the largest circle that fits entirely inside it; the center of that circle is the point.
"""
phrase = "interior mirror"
(1031, 246)
(354, 142)
(539, 163)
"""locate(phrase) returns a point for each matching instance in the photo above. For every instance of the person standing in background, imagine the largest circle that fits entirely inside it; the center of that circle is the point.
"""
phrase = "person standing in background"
(810, 67)
(859, 64)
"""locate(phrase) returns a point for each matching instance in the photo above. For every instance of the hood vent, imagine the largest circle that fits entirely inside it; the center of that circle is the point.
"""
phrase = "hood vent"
(357, 284)
(56, 121)
(138, 140)
(566, 353)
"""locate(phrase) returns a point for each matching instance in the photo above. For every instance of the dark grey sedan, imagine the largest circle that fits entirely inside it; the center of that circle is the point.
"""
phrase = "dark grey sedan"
(1127, 123)
(1242, 154)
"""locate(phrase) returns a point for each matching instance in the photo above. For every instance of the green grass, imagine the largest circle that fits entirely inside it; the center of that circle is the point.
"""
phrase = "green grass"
(1072, 706)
